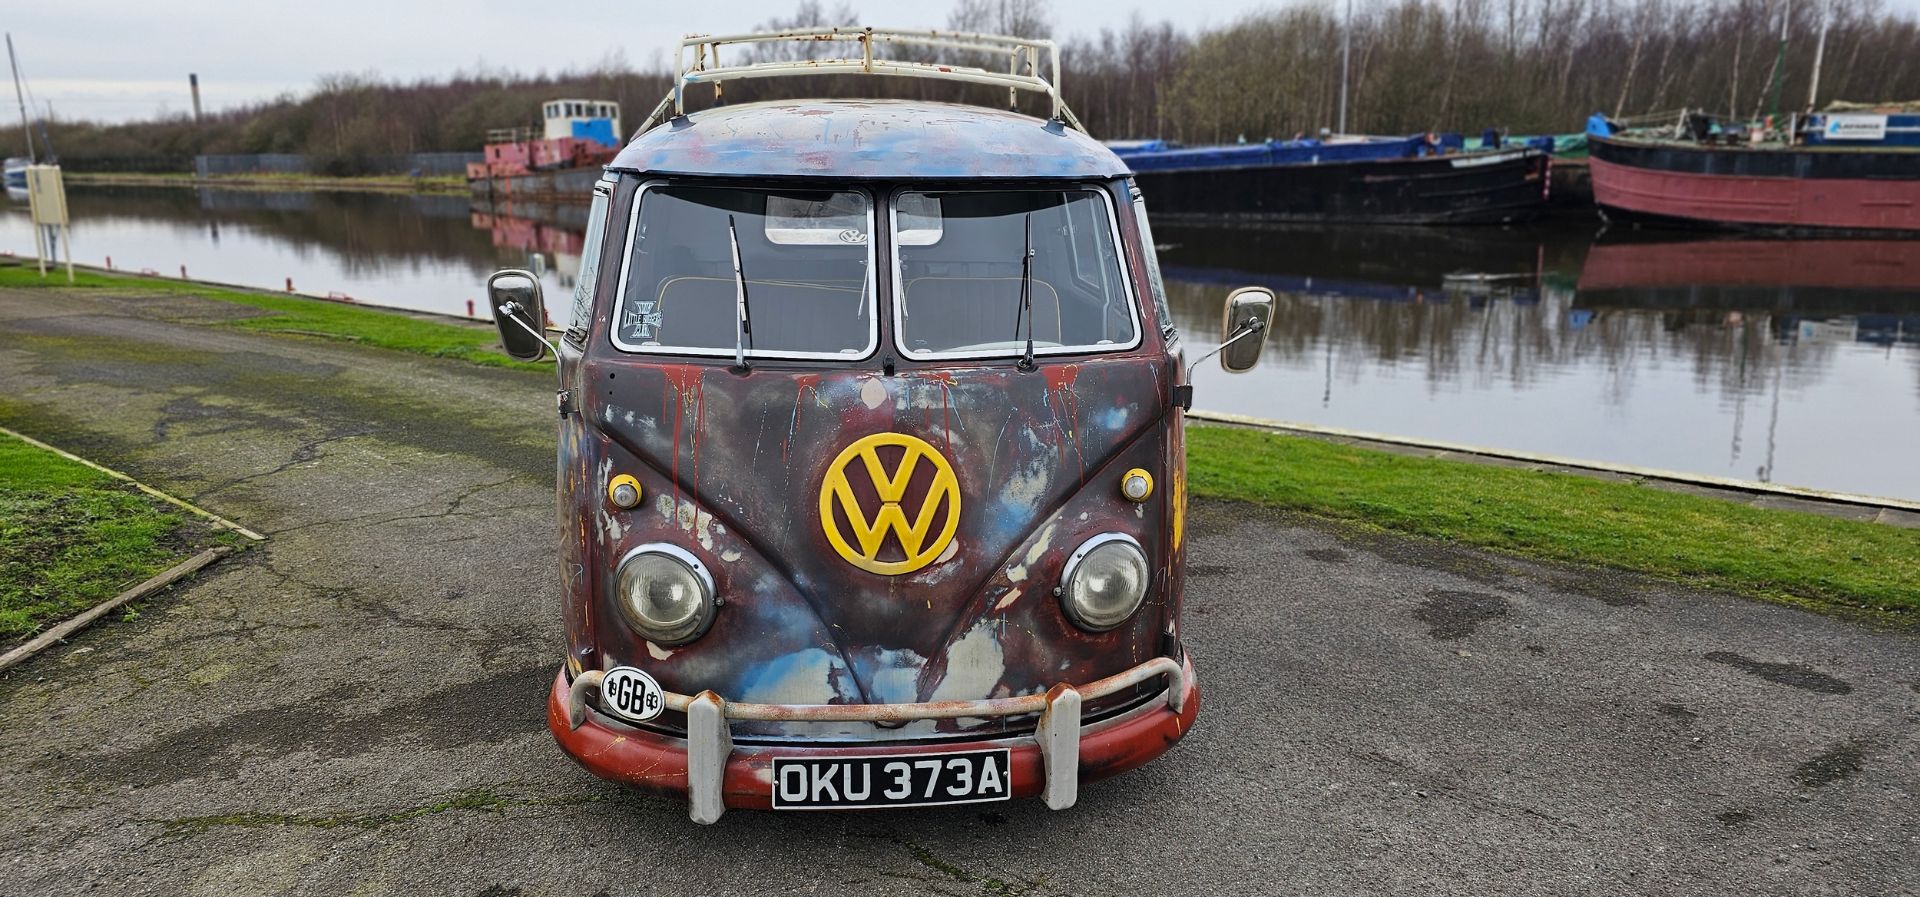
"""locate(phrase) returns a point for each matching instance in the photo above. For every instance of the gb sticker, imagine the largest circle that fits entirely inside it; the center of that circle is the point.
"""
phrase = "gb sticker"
(632, 694)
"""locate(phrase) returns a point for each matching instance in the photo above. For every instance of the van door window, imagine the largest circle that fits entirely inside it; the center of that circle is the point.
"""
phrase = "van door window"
(807, 257)
(589, 268)
(1155, 281)
(959, 256)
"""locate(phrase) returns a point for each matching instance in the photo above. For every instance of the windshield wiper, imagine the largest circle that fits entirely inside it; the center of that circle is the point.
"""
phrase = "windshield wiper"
(1026, 299)
(742, 321)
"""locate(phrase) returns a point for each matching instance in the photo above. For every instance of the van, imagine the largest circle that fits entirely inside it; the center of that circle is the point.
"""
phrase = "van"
(871, 462)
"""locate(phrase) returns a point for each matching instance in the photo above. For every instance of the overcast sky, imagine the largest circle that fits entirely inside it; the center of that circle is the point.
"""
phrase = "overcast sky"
(118, 59)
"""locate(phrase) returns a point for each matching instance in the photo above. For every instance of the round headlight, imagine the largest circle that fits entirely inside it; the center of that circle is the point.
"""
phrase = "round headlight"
(665, 593)
(1105, 579)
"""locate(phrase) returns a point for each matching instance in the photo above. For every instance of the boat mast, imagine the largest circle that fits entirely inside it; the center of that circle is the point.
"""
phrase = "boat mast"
(1346, 57)
(1819, 53)
(1780, 61)
(26, 129)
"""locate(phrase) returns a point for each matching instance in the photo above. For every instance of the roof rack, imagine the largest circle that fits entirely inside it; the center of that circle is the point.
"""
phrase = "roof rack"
(1023, 57)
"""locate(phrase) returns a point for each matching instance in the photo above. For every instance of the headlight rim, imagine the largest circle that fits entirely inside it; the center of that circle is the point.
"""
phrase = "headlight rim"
(1086, 548)
(710, 595)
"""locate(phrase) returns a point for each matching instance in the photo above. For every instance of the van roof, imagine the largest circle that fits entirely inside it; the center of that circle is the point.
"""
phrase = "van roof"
(867, 139)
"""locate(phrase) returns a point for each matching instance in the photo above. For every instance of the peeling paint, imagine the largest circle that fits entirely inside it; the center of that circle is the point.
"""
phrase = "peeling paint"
(741, 487)
(802, 678)
(975, 664)
(873, 392)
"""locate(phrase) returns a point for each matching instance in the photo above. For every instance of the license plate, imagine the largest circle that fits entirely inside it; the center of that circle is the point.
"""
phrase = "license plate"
(909, 780)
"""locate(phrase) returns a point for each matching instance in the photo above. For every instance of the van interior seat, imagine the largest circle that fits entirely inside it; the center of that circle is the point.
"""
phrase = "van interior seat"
(949, 311)
(787, 316)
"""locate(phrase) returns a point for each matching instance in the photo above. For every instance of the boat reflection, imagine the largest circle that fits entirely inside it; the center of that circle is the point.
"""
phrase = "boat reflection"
(1637, 349)
(1797, 361)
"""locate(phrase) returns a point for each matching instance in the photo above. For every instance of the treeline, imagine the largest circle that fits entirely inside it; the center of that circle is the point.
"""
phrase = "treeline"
(1529, 66)
(346, 120)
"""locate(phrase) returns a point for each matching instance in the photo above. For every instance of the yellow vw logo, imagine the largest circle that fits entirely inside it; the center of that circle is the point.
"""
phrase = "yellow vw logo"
(859, 481)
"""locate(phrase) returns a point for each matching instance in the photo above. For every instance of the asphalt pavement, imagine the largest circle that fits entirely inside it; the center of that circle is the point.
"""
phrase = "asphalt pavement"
(357, 705)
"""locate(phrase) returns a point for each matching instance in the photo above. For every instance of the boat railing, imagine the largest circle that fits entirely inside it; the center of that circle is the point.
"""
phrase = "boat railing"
(509, 135)
(1024, 57)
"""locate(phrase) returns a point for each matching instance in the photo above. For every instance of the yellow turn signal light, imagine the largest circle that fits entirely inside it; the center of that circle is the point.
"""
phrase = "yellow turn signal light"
(1136, 485)
(624, 491)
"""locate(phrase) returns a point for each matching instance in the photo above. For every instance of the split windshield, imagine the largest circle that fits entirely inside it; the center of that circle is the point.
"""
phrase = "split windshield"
(807, 259)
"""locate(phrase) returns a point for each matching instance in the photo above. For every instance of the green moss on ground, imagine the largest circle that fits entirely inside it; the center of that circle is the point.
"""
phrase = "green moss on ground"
(72, 537)
(305, 317)
(1857, 569)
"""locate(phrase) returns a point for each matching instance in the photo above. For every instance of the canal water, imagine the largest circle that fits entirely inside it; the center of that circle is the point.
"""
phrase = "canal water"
(1793, 362)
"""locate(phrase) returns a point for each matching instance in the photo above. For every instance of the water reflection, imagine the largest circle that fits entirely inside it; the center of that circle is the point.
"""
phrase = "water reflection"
(1791, 361)
(403, 250)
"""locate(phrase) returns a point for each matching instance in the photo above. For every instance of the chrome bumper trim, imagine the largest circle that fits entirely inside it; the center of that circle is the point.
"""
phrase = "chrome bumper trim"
(710, 740)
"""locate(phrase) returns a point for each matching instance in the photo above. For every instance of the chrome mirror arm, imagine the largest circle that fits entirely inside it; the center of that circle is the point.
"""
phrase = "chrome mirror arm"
(1183, 394)
(1253, 326)
(513, 310)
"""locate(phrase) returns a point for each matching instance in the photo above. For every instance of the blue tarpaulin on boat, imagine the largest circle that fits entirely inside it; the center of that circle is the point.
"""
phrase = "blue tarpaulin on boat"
(1279, 152)
(596, 129)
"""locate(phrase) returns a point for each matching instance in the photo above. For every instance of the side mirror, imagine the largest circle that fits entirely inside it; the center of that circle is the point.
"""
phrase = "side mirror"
(519, 313)
(1243, 328)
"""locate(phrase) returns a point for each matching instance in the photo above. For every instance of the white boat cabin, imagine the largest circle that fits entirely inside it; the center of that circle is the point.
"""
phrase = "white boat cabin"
(587, 119)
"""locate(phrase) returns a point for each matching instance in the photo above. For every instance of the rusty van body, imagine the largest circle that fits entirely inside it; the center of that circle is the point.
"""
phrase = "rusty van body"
(871, 464)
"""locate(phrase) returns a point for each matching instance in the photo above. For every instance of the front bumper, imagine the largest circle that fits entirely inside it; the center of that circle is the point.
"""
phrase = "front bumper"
(716, 774)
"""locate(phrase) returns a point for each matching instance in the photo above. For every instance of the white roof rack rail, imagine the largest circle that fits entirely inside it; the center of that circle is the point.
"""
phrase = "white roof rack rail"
(1023, 55)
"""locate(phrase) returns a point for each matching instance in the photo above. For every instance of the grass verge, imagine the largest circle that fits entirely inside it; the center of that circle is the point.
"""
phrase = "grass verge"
(1857, 569)
(304, 317)
(72, 537)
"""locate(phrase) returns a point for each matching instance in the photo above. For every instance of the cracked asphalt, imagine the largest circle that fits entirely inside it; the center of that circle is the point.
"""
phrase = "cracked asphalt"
(356, 706)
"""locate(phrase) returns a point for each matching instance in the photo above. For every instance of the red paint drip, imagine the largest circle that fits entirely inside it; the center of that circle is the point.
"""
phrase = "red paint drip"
(1061, 380)
(685, 380)
(945, 379)
(802, 384)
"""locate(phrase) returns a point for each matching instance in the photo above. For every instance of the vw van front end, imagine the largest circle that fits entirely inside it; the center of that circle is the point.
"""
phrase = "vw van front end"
(871, 464)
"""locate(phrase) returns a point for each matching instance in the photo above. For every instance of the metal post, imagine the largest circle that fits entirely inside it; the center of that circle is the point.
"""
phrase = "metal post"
(1013, 68)
(40, 247)
(1053, 59)
(1346, 58)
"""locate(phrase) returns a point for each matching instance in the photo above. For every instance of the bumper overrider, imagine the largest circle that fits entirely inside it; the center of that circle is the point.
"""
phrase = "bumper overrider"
(715, 773)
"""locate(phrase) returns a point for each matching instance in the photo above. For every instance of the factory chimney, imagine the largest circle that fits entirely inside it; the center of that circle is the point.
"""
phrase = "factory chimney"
(193, 80)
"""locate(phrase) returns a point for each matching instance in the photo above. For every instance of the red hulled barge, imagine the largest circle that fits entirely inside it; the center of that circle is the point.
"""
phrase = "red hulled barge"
(1828, 173)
